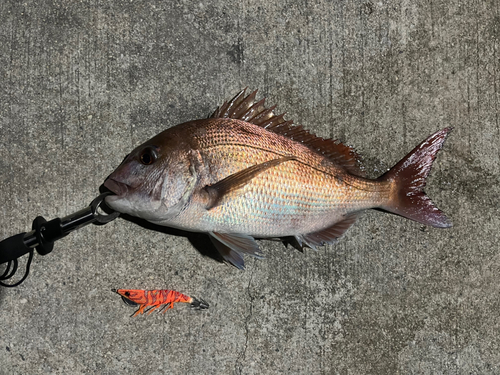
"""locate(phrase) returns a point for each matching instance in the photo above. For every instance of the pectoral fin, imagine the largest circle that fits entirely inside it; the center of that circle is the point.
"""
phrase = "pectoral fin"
(237, 180)
(232, 246)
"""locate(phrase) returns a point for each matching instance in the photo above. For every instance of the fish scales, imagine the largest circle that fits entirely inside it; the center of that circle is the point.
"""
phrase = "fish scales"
(296, 195)
(247, 173)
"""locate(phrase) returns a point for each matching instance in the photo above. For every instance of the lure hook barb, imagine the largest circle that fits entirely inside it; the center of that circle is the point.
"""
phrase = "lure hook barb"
(44, 233)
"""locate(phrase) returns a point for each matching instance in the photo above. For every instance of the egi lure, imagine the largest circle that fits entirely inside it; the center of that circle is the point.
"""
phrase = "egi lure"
(150, 300)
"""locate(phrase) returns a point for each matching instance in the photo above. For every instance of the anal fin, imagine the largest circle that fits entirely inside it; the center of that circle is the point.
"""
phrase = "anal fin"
(232, 246)
(237, 180)
(327, 235)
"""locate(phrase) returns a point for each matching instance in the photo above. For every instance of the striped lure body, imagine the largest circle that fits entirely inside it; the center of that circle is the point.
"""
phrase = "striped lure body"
(150, 300)
(247, 173)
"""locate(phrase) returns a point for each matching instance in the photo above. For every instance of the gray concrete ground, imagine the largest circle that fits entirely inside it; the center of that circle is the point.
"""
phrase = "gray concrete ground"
(81, 83)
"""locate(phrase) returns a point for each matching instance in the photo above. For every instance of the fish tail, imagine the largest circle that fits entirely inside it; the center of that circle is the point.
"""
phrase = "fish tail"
(408, 178)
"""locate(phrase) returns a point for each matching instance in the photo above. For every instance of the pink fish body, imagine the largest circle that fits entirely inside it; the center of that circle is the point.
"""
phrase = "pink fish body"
(246, 173)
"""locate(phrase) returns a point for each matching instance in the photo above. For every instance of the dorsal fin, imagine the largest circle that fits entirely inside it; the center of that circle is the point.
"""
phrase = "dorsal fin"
(245, 108)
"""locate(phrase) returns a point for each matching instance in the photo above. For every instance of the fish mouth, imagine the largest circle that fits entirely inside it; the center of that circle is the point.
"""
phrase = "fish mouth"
(116, 187)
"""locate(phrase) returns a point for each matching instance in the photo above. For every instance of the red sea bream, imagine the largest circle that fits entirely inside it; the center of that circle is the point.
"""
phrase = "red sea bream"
(246, 173)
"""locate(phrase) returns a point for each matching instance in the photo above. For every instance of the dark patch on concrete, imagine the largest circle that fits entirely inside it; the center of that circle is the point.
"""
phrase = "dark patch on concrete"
(494, 27)
(134, 76)
(367, 8)
(236, 53)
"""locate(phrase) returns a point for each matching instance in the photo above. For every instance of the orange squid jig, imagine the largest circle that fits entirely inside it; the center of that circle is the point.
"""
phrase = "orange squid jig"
(164, 299)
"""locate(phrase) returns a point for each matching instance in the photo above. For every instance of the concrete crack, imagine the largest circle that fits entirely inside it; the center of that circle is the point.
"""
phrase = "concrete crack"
(242, 357)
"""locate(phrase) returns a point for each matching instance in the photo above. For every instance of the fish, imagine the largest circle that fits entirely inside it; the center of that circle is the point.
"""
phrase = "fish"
(245, 173)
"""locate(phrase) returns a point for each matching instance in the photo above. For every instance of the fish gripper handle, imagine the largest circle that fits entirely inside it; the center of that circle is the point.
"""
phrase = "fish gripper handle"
(44, 233)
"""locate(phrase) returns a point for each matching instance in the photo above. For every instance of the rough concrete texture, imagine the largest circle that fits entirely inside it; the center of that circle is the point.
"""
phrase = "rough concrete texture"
(81, 83)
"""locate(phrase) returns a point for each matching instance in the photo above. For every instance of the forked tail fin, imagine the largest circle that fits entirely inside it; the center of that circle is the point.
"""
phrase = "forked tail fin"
(409, 176)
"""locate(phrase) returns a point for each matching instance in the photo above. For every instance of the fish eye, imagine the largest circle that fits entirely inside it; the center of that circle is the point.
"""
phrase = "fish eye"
(127, 294)
(148, 156)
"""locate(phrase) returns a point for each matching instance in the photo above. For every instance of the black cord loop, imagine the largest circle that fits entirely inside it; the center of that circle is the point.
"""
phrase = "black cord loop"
(44, 233)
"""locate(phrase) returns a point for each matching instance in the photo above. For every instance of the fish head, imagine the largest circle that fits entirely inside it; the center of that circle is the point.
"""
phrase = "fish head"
(153, 181)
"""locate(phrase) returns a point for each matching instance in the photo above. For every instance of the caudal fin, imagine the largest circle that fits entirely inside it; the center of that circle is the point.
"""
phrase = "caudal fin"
(409, 176)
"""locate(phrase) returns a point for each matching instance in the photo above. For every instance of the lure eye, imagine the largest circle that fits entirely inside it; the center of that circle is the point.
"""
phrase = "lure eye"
(148, 156)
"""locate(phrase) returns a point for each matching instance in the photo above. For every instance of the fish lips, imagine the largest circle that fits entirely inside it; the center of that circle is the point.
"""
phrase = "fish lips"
(116, 187)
